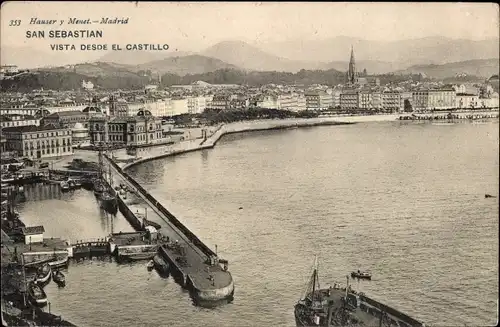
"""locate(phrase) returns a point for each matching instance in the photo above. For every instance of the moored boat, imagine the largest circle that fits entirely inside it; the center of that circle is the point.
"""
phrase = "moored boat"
(109, 202)
(36, 294)
(58, 263)
(98, 187)
(161, 264)
(336, 306)
(59, 278)
(361, 275)
(65, 186)
(43, 274)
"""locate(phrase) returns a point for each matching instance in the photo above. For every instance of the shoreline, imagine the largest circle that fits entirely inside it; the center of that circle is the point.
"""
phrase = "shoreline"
(159, 152)
(162, 151)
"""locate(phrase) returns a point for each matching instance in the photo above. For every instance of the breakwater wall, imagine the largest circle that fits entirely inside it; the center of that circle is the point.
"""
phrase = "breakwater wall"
(128, 214)
(239, 127)
(172, 219)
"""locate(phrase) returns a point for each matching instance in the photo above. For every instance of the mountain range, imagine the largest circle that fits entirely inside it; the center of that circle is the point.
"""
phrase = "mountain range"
(437, 57)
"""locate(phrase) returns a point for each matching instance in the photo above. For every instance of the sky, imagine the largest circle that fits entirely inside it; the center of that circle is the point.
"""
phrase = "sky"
(194, 26)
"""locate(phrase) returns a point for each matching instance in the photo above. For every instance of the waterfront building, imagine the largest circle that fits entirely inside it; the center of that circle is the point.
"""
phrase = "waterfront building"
(267, 102)
(36, 142)
(442, 99)
(144, 129)
(32, 234)
(318, 100)
(336, 98)
(349, 100)
(66, 119)
(112, 130)
(196, 105)
(141, 129)
(392, 101)
(221, 102)
(158, 108)
(179, 107)
(18, 120)
(464, 100)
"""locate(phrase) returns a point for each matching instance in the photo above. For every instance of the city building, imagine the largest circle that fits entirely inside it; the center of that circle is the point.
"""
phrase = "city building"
(141, 129)
(36, 142)
(196, 105)
(221, 102)
(87, 85)
(9, 69)
(79, 134)
(318, 100)
(66, 119)
(392, 101)
(464, 100)
(349, 100)
(18, 120)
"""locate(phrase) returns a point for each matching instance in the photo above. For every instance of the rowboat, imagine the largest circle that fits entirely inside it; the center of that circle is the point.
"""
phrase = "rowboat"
(36, 294)
(59, 278)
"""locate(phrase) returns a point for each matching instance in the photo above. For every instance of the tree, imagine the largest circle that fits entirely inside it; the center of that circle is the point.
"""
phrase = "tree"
(407, 106)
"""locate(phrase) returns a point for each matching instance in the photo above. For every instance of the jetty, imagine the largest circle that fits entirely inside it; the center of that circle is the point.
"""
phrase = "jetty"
(192, 263)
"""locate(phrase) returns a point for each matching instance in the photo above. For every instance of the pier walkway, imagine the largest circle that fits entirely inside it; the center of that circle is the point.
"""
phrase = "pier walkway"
(197, 265)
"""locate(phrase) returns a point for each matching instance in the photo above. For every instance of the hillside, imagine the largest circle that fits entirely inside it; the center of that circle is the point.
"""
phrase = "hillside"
(435, 50)
(249, 57)
(67, 80)
(139, 57)
(97, 69)
(192, 64)
(480, 68)
(231, 76)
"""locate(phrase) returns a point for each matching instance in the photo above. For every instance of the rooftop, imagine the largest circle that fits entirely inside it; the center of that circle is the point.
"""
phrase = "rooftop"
(32, 230)
(66, 114)
(31, 128)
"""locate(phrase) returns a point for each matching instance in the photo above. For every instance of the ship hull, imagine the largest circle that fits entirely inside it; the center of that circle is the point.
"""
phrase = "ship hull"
(110, 205)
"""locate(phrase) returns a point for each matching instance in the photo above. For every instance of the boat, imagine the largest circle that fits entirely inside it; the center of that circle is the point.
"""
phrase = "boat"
(36, 294)
(98, 187)
(361, 275)
(59, 278)
(107, 196)
(58, 263)
(43, 274)
(150, 265)
(136, 256)
(337, 306)
(65, 186)
(109, 202)
(161, 264)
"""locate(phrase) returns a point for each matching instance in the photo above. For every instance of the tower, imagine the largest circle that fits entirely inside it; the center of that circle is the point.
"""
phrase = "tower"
(351, 73)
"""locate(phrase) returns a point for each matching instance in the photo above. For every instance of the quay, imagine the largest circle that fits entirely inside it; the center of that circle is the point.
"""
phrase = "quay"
(193, 264)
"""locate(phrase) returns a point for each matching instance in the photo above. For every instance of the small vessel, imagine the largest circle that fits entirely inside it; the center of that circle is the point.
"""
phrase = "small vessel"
(65, 186)
(361, 275)
(36, 294)
(150, 265)
(59, 278)
(98, 187)
(109, 202)
(161, 264)
(43, 274)
(336, 306)
(487, 196)
(58, 263)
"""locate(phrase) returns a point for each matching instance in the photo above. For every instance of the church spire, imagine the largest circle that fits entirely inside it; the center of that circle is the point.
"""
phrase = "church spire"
(351, 74)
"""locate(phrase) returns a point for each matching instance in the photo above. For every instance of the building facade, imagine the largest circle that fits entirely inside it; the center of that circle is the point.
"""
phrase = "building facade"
(66, 119)
(18, 120)
(349, 100)
(37, 142)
